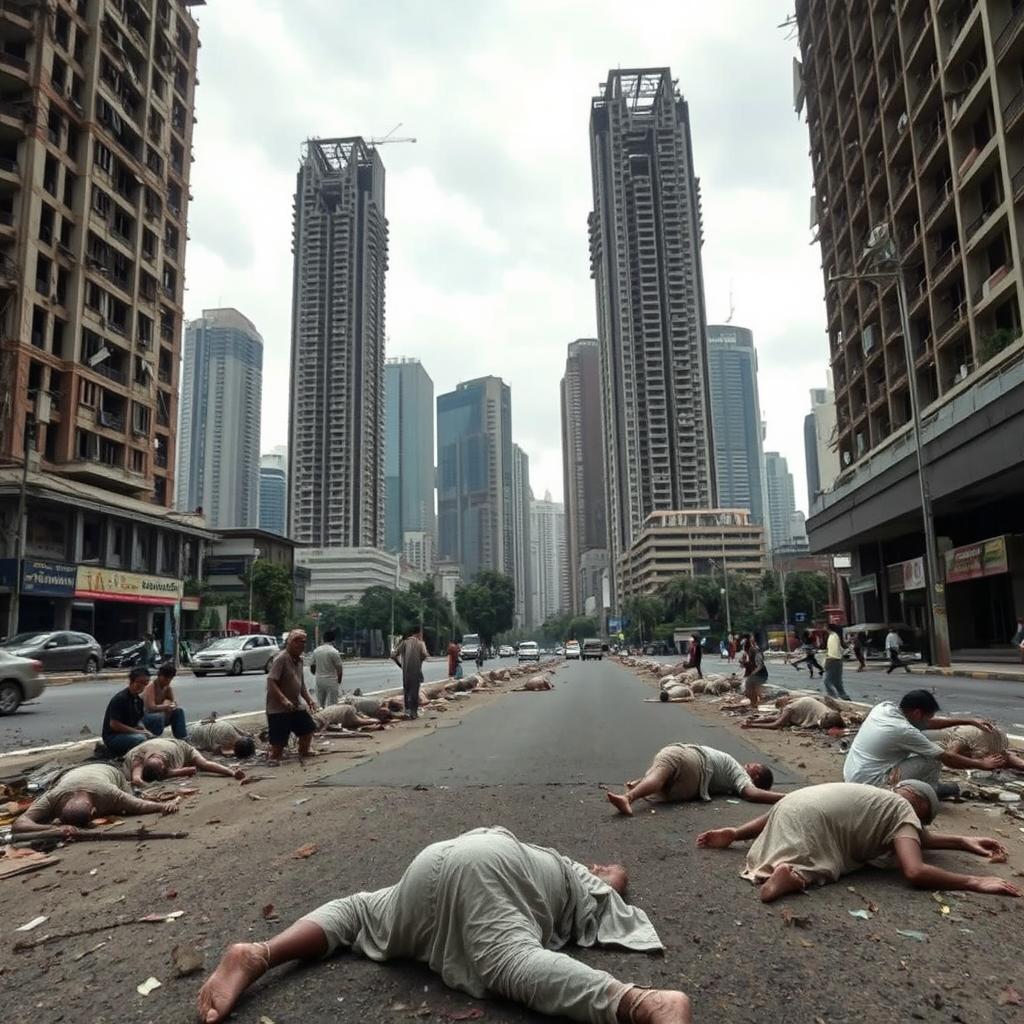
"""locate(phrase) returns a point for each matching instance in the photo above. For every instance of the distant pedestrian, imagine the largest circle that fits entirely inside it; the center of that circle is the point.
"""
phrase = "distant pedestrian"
(151, 651)
(1018, 639)
(808, 649)
(859, 642)
(479, 657)
(409, 657)
(755, 673)
(696, 655)
(160, 705)
(893, 643)
(454, 660)
(328, 669)
(733, 645)
(833, 674)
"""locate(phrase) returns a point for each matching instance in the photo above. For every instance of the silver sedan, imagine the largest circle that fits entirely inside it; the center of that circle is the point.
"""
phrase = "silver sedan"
(20, 680)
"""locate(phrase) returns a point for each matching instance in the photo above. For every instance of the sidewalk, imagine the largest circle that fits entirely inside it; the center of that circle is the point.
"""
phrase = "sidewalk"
(973, 670)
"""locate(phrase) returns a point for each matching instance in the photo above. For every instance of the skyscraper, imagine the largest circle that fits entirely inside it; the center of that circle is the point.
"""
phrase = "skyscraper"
(820, 455)
(474, 476)
(522, 496)
(736, 420)
(219, 432)
(408, 453)
(274, 490)
(336, 419)
(781, 498)
(645, 240)
(547, 559)
(586, 521)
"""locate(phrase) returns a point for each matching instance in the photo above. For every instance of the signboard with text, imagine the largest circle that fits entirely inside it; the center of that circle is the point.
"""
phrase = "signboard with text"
(986, 558)
(114, 585)
(47, 579)
(904, 576)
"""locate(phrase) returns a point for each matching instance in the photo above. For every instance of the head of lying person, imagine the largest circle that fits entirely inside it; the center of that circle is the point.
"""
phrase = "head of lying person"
(245, 746)
(760, 775)
(78, 810)
(613, 875)
(921, 797)
(154, 768)
(833, 720)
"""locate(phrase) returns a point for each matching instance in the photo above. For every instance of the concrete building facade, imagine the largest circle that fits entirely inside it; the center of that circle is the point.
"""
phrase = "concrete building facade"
(342, 575)
(586, 519)
(522, 496)
(736, 420)
(219, 428)
(274, 491)
(820, 454)
(645, 248)
(408, 453)
(781, 499)
(336, 418)
(548, 579)
(474, 477)
(933, 147)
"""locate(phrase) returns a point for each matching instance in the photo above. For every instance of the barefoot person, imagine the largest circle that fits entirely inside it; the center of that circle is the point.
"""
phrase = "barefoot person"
(286, 686)
(820, 833)
(802, 713)
(83, 793)
(488, 913)
(685, 771)
(160, 759)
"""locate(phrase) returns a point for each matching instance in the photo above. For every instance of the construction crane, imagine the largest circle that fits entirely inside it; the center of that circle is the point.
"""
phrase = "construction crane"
(732, 306)
(388, 138)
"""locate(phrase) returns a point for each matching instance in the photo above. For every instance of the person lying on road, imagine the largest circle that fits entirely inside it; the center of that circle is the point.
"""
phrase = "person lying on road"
(971, 741)
(345, 716)
(820, 833)
(222, 738)
(685, 771)
(488, 913)
(160, 759)
(83, 793)
(535, 685)
(803, 713)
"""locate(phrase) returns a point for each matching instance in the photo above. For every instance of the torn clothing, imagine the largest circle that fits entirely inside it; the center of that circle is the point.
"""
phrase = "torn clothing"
(830, 830)
(110, 791)
(699, 772)
(489, 914)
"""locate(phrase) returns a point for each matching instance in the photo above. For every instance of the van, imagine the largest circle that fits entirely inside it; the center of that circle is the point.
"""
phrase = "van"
(592, 648)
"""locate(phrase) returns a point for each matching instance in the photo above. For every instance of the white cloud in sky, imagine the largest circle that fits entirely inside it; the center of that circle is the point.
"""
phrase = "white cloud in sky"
(489, 262)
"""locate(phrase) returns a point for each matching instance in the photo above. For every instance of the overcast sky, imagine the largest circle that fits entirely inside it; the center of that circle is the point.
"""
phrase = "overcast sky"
(489, 263)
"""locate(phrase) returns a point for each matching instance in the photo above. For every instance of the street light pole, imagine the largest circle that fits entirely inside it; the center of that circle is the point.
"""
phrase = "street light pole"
(20, 526)
(252, 572)
(785, 616)
(725, 589)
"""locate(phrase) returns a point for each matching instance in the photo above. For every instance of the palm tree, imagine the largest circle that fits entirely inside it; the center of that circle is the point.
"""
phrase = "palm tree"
(677, 594)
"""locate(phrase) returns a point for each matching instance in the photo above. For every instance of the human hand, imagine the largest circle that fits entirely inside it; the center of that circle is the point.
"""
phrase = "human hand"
(239, 774)
(312, 705)
(991, 849)
(993, 886)
(993, 761)
(69, 832)
(717, 839)
(187, 772)
(171, 807)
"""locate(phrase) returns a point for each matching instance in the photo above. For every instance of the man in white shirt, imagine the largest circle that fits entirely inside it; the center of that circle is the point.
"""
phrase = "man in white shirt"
(892, 648)
(833, 678)
(328, 669)
(892, 740)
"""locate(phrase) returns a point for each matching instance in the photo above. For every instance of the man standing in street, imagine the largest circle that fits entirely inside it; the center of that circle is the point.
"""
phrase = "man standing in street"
(328, 669)
(833, 676)
(123, 726)
(1018, 639)
(409, 657)
(286, 685)
(892, 648)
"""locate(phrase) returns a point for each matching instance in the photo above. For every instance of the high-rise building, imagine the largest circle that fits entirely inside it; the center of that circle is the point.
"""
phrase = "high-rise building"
(408, 453)
(736, 420)
(645, 242)
(916, 121)
(550, 589)
(586, 521)
(781, 498)
(336, 419)
(95, 158)
(274, 490)
(820, 455)
(474, 476)
(522, 496)
(219, 429)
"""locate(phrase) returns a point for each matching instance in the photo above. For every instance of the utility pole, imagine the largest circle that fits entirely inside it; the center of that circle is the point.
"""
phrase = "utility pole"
(252, 572)
(20, 525)
(785, 616)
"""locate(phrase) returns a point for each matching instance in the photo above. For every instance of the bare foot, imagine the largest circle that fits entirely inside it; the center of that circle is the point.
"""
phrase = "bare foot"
(240, 966)
(717, 839)
(620, 802)
(783, 881)
(657, 1006)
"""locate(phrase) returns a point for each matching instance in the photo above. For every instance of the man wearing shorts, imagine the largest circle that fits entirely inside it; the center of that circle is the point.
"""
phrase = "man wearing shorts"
(286, 686)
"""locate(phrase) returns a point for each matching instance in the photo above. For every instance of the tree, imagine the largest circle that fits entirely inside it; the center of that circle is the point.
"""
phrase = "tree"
(487, 604)
(644, 613)
(273, 594)
(678, 596)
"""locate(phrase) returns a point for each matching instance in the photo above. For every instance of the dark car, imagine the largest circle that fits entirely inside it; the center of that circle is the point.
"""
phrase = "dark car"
(58, 650)
(125, 654)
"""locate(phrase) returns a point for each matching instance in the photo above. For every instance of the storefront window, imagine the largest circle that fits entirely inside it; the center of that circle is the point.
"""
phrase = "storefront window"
(92, 538)
(119, 535)
(169, 555)
(46, 534)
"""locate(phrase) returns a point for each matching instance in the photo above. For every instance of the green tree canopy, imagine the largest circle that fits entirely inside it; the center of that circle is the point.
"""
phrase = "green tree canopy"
(487, 604)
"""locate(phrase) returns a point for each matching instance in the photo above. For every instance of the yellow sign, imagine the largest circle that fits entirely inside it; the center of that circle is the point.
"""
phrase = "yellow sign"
(114, 585)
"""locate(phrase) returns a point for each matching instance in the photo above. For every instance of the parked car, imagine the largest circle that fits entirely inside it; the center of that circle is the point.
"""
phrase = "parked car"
(234, 655)
(20, 680)
(506, 651)
(592, 648)
(528, 651)
(124, 654)
(58, 650)
(572, 650)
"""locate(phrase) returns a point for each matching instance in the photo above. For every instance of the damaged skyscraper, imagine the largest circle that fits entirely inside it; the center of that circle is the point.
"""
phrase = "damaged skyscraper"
(336, 423)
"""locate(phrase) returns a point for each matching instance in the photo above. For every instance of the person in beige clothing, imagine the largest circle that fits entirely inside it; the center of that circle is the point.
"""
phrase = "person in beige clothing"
(222, 738)
(344, 716)
(160, 759)
(820, 833)
(83, 793)
(803, 713)
(971, 741)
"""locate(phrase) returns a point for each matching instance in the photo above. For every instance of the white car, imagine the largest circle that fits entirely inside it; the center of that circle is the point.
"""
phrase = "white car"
(234, 655)
(572, 650)
(528, 651)
(506, 651)
(20, 680)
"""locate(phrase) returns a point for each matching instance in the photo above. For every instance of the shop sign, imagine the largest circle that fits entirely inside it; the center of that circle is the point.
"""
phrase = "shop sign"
(190, 604)
(905, 576)
(986, 558)
(114, 585)
(47, 579)
(7, 574)
(863, 584)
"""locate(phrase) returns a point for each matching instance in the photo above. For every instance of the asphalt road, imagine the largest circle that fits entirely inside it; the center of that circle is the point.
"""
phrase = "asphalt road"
(61, 712)
(529, 762)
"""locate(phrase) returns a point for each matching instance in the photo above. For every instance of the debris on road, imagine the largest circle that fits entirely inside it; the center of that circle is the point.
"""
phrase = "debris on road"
(21, 862)
(270, 913)
(864, 915)
(1010, 997)
(187, 960)
(149, 985)
(305, 851)
(34, 923)
(909, 933)
(792, 920)
(86, 952)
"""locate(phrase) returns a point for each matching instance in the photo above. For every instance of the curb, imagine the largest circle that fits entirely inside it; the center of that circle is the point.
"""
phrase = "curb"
(953, 672)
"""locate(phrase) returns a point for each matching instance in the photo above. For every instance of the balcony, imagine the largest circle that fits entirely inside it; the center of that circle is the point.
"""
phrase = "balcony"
(993, 286)
(931, 143)
(1014, 109)
(975, 231)
(1017, 184)
(102, 474)
(945, 262)
(938, 204)
(1008, 36)
(949, 327)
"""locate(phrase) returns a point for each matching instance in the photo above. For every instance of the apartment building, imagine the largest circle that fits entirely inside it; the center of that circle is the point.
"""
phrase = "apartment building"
(645, 249)
(916, 119)
(820, 456)
(522, 496)
(549, 582)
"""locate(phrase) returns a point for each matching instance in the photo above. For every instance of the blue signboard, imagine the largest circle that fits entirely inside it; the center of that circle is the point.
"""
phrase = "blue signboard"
(48, 579)
(800, 616)
(614, 625)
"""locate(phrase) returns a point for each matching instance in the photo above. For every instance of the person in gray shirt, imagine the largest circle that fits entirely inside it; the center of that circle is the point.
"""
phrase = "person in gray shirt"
(328, 668)
(409, 657)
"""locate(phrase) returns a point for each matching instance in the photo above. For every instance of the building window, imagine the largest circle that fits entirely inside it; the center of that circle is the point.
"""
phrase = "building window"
(103, 158)
(87, 393)
(138, 461)
(92, 539)
(140, 419)
(118, 543)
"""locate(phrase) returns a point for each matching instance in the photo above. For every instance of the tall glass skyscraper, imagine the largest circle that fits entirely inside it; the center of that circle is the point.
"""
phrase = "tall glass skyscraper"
(781, 499)
(219, 433)
(408, 451)
(274, 491)
(736, 420)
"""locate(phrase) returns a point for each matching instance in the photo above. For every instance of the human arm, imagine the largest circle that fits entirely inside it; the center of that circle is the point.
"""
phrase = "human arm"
(927, 876)
(951, 759)
(948, 723)
(760, 796)
(204, 764)
(150, 702)
(340, 666)
(991, 849)
(274, 690)
(779, 722)
(129, 804)
(115, 726)
(396, 655)
(721, 838)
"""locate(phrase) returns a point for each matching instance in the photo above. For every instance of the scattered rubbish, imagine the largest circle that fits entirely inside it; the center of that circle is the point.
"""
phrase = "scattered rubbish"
(171, 894)
(254, 796)
(187, 960)
(250, 779)
(93, 872)
(909, 933)
(149, 985)
(944, 909)
(266, 1020)
(732, 801)
(269, 913)
(1010, 997)
(161, 918)
(792, 920)
(806, 943)
(399, 1007)
(21, 862)
(864, 915)
(305, 851)
(304, 800)
(106, 821)
(86, 952)
(34, 923)
(473, 1013)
